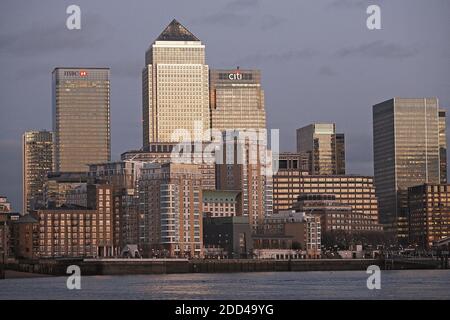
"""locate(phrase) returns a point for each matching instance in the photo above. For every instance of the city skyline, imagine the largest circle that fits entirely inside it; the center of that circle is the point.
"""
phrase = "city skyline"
(357, 135)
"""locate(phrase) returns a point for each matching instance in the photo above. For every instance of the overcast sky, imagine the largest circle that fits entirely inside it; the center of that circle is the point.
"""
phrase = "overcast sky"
(319, 62)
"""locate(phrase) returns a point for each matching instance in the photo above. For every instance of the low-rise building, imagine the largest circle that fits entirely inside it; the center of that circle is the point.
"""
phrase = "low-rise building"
(227, 237)
(290, 230)
(25, 237)
(429, 214)
(353, 190)
(75, 232)
(335, 215)
(279, 254)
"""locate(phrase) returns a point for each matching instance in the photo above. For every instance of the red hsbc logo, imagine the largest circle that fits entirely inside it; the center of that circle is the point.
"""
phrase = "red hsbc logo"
(80, 73)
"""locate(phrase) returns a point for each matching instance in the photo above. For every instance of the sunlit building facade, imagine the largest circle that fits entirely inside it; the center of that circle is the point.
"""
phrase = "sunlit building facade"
(325, 147)
(237, 99)
(443, 144)
(175, 87)
(354, 190)
(429, 214)
(170, 200)
(81, 118)
(37, 161)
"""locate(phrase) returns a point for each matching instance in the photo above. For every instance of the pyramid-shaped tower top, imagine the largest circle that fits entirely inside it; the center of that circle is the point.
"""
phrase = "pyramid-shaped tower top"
(175, 31)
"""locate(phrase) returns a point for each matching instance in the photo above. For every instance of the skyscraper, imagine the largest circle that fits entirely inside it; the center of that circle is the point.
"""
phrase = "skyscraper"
(37, 147)
(324, 146)
(175, 87)
(237, 100)
(81, 118)
(443, 145)
(406, 149)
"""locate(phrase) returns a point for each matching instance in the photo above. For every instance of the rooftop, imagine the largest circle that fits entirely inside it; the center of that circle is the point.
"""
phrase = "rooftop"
(175, 31)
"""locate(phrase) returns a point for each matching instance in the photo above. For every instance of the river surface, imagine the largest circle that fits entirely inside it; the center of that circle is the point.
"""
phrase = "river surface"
(408, 284)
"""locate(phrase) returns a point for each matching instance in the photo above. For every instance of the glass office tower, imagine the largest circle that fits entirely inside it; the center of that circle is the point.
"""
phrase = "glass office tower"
(325, 147)
(443, 145)
(237, 100)
(37, 157)
(406, 146)
(175, 87)
(81, 118)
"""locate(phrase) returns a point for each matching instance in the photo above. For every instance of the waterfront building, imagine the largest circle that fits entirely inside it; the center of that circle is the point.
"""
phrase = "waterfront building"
(236, 99)
(325, 148)
(290, 230)
(170, 197)
(122, 177)
(81, 118)
(37, 161)
(25, 237)
(75, 232)
(408, 142)
(335, 215)
(175, 87)
(356, 191)
(227, 237)
(429, 214)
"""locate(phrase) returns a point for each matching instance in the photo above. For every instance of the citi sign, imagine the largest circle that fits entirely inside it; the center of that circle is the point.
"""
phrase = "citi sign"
(80, 73)
(235, 76)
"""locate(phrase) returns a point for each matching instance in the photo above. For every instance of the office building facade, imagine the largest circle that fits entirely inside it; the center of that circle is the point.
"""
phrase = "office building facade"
(443, 145)
(407, 143)
(175, 87)
(37, 162)
(290, 230)
(227, 237)
(354, 190)
(325, 147)
(335, 215)
(81, 118)
(236, 99)
(429, 214)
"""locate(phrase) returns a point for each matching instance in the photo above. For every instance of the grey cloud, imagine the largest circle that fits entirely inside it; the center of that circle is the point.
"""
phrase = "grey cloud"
(270, 21)
(378, 49)
(230, 15)
(223, 18)
(327, 71)
(283, 56)
(348, 4)
(241, 4)
(42, 39)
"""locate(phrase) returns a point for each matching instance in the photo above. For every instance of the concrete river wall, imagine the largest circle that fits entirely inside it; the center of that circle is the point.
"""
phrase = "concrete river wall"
(166, 266)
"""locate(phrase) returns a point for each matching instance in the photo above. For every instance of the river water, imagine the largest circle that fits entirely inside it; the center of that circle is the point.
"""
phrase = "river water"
(408, 284)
